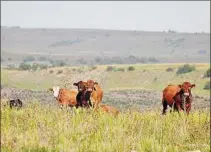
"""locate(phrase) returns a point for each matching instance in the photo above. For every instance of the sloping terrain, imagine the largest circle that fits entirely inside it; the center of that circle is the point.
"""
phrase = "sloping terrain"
(71, 44)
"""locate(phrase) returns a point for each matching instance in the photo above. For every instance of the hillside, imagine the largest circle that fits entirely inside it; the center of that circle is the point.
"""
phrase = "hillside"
(73, 44)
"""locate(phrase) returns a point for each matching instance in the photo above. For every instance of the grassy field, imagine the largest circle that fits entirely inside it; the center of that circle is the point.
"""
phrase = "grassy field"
(145, 76)
(45, 128)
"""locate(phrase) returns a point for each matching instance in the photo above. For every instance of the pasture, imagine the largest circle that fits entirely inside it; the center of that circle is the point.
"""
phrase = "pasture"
(41, 126)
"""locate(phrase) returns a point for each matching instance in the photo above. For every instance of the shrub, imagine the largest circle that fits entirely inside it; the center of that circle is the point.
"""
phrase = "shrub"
(110, 68)
(207, 86)
(155, 79)
(43, 66)
(42, 58)
(169, 69)
(34, 67)
(207, 73)
(185, 69)
(28, 59)
(25, 66)
(51, 71)
(60, 71)
(131, 68)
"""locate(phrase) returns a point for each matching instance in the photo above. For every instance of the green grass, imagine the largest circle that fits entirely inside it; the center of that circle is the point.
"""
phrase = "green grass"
(42, 128)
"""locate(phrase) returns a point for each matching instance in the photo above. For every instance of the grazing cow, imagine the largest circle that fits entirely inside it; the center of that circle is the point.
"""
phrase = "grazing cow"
(83, 97)
(178, 96)
(96, 93)
(64, 96)
(109, 109)
(15, 103)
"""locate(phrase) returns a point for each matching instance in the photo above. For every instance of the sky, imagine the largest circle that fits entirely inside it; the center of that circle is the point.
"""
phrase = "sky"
(180, 16)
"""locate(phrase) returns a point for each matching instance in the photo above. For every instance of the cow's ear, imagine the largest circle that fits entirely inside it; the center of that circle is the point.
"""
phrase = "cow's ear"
(95, 83)
(179, 85)
(193, 85)
(50, 89)
(75, 84)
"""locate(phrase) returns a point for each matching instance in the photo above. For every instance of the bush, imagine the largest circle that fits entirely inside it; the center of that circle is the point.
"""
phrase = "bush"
(25, 66)
(169, 69)
(93, 68)
(207, 86)
(60, 72)
(51, 71)
(131, 68)
(43, 66)
(42, 58)
(110, 68)
(207, 73)
(185, 69)
(28, 59)
(34, 67)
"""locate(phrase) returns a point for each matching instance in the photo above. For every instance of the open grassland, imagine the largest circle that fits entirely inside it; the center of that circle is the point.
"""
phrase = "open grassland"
(145, 76)
(46, 128)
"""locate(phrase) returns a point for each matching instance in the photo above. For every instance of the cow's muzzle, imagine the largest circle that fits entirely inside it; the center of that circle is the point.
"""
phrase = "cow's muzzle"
(186, 94)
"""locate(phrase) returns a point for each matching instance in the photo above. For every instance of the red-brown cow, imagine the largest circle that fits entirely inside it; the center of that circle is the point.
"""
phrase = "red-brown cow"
(64, 96)
(178, 96)
(96, 93)
(109, 109)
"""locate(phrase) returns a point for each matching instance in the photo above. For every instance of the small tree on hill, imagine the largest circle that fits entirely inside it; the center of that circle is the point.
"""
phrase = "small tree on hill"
(185, 69)
(25, 66)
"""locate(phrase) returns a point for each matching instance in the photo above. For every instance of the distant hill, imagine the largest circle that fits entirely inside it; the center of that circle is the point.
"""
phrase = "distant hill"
(74, 44)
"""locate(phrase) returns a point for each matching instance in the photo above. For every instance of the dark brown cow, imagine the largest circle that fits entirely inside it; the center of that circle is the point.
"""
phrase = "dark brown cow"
(178, 96)
(15, 103)
(96, 93)
(83, 97)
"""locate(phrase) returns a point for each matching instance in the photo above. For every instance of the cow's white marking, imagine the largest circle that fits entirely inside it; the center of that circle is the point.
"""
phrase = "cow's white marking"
(56, 91)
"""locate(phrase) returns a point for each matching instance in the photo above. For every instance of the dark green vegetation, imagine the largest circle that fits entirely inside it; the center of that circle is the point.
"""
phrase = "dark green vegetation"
(185, 69)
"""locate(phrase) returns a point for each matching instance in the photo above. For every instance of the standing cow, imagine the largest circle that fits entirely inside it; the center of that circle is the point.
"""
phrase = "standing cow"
(64, 96)
(96, 93)
(178, 96)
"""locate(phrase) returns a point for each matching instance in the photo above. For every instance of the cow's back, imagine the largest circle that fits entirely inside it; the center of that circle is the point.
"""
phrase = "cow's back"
(109, 109)
(170, 92)
(68, 97)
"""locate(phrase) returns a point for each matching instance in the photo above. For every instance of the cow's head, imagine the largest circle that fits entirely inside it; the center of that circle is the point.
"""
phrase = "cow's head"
(186, 88)
(81, 86)
(91, 85)
(55, 90)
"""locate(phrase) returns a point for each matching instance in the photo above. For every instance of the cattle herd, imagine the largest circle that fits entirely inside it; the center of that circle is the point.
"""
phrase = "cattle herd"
(89, 94)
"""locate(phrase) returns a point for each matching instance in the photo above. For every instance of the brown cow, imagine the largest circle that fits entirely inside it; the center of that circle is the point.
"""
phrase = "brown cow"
(96, 93)
(178, 96)
(83, 97)
(109, 109)
(64, 96)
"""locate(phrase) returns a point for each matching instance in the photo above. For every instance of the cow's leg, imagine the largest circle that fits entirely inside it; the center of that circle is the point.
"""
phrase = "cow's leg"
(188, 108)
(178, 106)
(164, 107)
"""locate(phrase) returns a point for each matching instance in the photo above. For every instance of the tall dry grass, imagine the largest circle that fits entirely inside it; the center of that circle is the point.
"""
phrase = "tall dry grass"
(45, 128)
